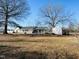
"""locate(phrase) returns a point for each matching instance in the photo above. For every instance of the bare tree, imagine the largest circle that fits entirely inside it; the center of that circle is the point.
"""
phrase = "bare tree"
(54, 15)
(12, 8)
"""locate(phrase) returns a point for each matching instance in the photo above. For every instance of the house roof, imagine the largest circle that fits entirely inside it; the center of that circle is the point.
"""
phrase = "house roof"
(34, 28)
(42, 28)
(27, 27)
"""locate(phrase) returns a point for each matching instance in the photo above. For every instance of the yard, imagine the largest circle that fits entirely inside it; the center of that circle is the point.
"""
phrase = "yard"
(38, 47)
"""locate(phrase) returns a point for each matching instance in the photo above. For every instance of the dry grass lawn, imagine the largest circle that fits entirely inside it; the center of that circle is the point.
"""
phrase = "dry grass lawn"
(42, 44)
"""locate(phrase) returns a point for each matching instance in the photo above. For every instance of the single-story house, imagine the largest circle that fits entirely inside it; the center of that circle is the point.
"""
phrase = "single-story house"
(40, 30)
(36, 30)
(31, 30)
(23, 30)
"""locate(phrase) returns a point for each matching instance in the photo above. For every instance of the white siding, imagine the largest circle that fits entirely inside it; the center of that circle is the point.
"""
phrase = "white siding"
(29, 31)
(57, 30)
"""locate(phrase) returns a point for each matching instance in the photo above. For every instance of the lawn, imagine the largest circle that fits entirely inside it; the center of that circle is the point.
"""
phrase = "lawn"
(42, 47)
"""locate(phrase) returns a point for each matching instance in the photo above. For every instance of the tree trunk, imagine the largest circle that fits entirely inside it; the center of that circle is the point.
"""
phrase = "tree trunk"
(52, 30)
(5, 25)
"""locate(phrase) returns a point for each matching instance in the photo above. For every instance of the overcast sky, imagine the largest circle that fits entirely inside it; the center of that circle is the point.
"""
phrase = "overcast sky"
(35, 5)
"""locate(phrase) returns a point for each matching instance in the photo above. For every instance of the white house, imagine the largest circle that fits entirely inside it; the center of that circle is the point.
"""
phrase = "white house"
(31, 30)
(24, 30)
(36, 30)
